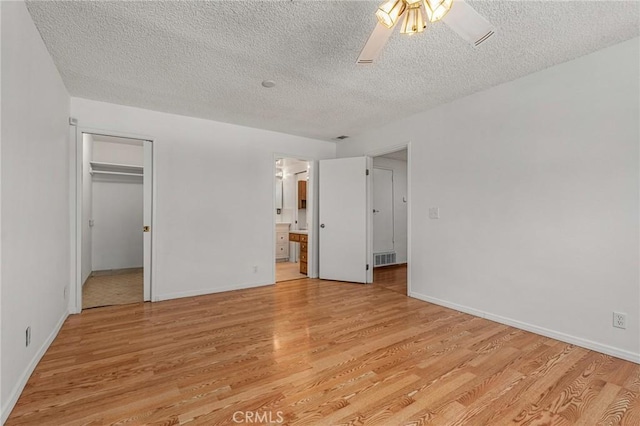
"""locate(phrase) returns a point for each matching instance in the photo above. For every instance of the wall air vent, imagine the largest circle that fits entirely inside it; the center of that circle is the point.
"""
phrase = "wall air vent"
(383, 259)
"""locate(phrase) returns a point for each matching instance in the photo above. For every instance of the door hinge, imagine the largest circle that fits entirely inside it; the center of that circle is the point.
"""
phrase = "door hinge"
(73, 121)
(367, 172)
(367, 266)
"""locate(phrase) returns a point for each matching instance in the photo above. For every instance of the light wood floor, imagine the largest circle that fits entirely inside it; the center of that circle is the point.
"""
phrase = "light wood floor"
(392, 278)
(287, 271)
(118, 288)
(320, 353)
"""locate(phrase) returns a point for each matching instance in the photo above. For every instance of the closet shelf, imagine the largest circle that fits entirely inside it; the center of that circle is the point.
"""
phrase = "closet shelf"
(115, 169)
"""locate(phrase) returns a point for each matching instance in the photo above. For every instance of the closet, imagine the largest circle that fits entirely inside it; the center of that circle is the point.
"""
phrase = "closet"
(113, 252)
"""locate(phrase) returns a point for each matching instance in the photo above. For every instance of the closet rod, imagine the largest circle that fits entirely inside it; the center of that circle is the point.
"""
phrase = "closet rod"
(93, 172)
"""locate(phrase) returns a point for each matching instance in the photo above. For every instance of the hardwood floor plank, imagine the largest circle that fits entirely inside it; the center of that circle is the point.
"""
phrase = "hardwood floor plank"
(631, 416)
(318, 353)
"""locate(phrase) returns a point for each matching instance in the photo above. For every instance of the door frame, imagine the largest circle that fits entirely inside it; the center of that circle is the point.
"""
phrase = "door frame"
(393, 194)
(312, 206)
(75, 183)
(388, 150)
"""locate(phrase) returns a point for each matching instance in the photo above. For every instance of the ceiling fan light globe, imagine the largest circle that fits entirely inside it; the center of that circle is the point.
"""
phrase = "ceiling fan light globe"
(437, 9)
(389, 12)
(413, 22)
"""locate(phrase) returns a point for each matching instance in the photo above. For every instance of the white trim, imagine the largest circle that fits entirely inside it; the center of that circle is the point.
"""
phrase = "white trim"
(24, 378)
(388, 150)
(563, 337)
(274, 214)
(148, 148)
(409, 202)
(154, 204)
(369, 216)
(204, 292)
(2, 417)
(75, 296)
(393, 210)
(312, 211)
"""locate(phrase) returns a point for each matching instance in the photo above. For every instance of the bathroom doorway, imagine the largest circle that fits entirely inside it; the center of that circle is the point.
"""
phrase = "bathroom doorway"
(293, 218)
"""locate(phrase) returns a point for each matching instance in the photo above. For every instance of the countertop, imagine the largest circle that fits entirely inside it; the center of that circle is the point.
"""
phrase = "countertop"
(299, 231)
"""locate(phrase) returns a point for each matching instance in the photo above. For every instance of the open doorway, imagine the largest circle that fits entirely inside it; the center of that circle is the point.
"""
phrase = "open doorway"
(293, 219)
(390, 219)
(115, 206)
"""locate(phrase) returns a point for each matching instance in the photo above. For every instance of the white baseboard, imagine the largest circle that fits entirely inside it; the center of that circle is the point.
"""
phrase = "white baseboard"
(567, 338)
(206, 291)
(24, 378)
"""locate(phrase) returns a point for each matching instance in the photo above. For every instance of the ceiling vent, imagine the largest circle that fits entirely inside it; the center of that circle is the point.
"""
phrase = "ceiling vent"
(342, 137)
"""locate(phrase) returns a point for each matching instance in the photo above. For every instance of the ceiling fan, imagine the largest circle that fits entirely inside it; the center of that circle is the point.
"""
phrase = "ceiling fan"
(457, 14)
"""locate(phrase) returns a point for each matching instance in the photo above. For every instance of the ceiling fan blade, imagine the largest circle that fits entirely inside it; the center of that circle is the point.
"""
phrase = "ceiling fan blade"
(469, 24)
(375, 43)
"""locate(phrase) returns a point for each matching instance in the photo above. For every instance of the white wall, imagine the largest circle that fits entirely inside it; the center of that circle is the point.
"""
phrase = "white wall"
(2, 415)
(117, 229)
(118, 153)
(214, 195)
(117, 210)
(87, 203)
(35, 199)
(399, 206)
(537, 184)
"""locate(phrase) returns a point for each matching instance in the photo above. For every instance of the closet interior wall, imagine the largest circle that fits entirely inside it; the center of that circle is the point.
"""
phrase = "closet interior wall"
(116, 205)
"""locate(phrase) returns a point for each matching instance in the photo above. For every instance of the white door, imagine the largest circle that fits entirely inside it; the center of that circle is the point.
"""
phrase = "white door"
(382, 210)
(345, 220)
(148, 231)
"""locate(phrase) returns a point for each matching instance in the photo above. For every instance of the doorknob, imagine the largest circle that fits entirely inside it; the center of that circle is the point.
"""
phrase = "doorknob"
(376, 211)
(322, 225)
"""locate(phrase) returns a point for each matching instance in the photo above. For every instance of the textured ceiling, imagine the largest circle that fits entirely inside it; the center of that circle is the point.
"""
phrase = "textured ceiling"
(207, 59)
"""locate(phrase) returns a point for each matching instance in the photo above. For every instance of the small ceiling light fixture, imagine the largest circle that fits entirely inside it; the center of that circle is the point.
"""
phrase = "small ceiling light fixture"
(343, 137)
(268, 84)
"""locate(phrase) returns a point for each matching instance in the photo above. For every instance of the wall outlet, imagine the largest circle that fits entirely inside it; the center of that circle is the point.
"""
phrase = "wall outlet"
(65, 292)
(619, 320)
(434, 212)
(255, 269)
(27, 336)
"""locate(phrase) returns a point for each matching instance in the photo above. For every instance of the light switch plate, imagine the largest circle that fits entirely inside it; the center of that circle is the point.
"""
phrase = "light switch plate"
(434, 212)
